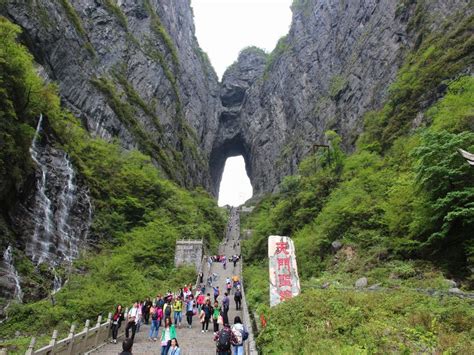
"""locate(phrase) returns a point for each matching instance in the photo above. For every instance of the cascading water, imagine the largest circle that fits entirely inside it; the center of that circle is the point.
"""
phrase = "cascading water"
(57, 282)
(68, 242)
(43, 217)
(60, 208)
(12, 273)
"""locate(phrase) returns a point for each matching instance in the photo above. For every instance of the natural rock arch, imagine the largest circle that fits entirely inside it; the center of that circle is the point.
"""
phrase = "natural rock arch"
(230, 147)
(230, 139)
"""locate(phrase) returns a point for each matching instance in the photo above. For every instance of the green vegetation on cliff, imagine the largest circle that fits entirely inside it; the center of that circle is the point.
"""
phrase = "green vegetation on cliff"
(402, 206)
(77, 23)
(405, 221)
(138, 214)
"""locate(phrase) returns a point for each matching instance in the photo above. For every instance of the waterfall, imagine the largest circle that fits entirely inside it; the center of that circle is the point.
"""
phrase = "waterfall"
(68, 241)
(12, 273)
(57, 282)
(43, 217)
(62, 211)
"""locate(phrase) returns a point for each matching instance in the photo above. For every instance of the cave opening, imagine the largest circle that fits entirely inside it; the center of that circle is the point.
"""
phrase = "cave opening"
(233, 154)
(235, 187)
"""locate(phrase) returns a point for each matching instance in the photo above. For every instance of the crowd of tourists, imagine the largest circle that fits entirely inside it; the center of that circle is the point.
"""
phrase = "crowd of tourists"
(174, 310)
(223, 259)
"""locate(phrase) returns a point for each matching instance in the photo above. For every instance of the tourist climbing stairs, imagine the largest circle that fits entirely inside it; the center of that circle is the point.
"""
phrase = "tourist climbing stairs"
(193, 341)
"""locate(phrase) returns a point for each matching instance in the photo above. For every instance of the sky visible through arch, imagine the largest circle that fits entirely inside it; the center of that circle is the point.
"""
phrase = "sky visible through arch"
(223, 29)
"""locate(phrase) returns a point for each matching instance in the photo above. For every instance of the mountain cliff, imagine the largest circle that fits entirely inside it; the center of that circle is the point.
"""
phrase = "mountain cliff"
(336, 64)
(133, 73)
(134, 70)
(131, 70)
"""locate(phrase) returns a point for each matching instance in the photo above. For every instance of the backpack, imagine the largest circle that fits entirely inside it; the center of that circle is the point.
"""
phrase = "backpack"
(238, 335)
(238, 295)
(168, 311)
(223, 343)
(245, 334)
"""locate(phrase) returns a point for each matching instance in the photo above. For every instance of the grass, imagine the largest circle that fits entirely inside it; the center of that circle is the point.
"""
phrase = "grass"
(339, 322)
(77, 23)
(281, 47)
(337, 85)
(159, 29)
(115, 10)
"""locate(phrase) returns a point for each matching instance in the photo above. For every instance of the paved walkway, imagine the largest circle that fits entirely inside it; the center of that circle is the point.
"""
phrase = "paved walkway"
(192, 341)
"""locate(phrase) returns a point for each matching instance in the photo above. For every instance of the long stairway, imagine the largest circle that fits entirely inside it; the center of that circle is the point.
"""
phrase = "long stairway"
(192, 341)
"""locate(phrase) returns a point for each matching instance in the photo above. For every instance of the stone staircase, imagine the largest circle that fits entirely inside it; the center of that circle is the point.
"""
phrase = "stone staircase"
(193, 341)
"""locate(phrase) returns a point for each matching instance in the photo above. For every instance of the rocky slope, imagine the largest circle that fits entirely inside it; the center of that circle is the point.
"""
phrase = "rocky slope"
(230, 135)
(132, 70)
(335, 64)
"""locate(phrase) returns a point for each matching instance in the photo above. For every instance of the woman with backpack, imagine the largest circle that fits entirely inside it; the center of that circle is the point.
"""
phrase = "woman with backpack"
(238, 298)
(224, 340)
(117, 319)
(156, 315)
(167, 309)
(241, 335)
(168, 333)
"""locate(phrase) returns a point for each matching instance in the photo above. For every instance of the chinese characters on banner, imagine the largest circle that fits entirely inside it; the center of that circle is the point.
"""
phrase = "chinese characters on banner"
(284, 281)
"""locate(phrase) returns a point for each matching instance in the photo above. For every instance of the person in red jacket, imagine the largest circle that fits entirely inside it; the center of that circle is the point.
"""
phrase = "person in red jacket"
(117, 319)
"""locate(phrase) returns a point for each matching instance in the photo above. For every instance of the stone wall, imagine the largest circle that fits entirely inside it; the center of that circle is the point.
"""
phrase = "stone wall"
(188, 252)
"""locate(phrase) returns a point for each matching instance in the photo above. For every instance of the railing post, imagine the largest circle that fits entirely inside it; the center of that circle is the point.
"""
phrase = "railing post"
(54, 339)
(126, 320)
(109, 325)
(86, 336)
(31, 347)
(97, 334)
(71, 339)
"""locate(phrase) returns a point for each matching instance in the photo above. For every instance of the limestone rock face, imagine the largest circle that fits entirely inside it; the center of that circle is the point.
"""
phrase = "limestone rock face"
(231, 138)
(335, 64)
(146, 47)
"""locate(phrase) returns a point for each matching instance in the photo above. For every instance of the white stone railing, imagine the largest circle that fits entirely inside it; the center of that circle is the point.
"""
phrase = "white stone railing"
(250, 348)
(249, 345)
(77, 343)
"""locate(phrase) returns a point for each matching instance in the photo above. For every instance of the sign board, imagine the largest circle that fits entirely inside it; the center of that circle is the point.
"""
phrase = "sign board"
(284, 280)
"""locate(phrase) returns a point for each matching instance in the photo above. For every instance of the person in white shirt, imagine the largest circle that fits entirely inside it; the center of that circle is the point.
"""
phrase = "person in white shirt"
(132, 316)
(139, 319)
